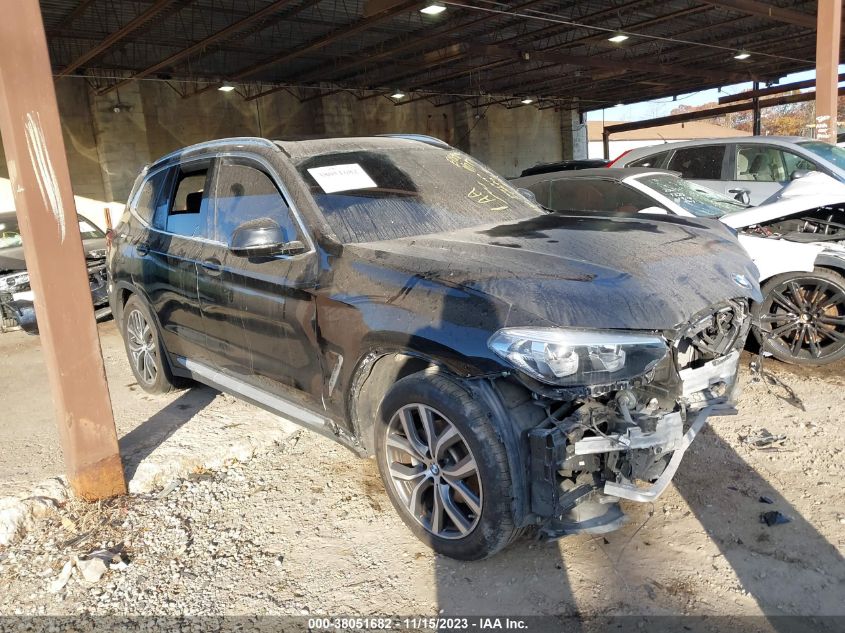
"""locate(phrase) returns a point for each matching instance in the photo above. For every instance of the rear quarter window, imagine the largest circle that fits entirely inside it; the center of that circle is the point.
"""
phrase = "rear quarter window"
(655, 160)
(145, 202)
(699, 163)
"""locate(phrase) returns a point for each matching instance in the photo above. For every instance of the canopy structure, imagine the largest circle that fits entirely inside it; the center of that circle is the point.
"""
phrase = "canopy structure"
(549, 53)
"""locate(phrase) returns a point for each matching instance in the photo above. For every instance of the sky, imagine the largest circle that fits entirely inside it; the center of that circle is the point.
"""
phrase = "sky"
(664, 106)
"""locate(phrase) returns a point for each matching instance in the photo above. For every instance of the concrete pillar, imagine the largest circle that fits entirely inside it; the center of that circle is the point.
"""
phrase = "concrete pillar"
(828, 30)
(121, 131)
(573, 133)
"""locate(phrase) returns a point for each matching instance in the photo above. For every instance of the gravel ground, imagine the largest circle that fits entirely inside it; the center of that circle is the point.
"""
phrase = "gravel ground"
(306, 528)
(160, 435)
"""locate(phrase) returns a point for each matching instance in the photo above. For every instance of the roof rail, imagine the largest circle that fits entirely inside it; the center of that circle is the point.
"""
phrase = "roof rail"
(251, 140)
(422, 138)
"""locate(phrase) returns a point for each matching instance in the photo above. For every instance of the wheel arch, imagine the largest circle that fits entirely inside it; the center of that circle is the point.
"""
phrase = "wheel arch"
(508, 405)
(831, 262)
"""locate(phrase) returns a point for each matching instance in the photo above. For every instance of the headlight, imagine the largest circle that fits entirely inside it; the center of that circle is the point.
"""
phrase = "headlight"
(578, 357)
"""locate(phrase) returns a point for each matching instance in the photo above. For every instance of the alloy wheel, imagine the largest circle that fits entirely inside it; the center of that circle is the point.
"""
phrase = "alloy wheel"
(142, 346)
(433, 471)
(806, 317)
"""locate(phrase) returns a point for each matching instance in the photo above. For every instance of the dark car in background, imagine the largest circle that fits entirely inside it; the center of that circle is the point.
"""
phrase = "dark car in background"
(626, 190)
(565, 165)
(17, 306)
(508, 368)
(797, 243)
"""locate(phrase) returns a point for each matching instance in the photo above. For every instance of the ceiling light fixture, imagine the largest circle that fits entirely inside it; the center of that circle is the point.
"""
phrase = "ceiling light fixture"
(434, 8)
(742, 55)
(226, 87)
(526, 101)
(398, 95)
(616, 38)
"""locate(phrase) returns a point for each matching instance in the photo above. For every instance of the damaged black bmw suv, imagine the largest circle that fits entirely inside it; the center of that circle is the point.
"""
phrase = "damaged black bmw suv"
(508, 368)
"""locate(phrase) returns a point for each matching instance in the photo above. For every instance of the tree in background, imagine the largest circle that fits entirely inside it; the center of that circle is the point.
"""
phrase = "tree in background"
(791, 119)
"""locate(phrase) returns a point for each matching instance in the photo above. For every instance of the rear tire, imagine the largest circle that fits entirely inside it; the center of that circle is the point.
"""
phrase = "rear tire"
(444, 467)
(802, 317)
(146, 354)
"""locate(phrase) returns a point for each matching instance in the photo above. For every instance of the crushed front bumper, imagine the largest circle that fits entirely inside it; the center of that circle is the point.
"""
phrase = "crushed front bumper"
(633, 492)
(20, 306)
(584, 464)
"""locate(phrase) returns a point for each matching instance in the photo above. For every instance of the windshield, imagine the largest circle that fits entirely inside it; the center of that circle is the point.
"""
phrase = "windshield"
(10, 234)
(384, 194)
(698, 200)
(830, 153)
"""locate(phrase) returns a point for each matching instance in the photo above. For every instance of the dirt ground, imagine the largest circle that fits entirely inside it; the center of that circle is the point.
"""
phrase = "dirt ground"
(29, 442)
(306, 528)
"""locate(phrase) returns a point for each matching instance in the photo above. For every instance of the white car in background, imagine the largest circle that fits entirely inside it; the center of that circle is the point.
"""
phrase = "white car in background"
(796, 239)
(750, 169)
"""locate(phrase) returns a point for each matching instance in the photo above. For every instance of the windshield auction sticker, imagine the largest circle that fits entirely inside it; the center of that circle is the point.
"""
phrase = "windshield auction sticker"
(342, 177)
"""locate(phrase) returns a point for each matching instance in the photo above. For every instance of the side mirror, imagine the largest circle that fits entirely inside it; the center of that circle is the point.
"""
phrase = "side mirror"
(527, 193)
(262, 237)
(654, 211)
(741, 195)
(799, 173)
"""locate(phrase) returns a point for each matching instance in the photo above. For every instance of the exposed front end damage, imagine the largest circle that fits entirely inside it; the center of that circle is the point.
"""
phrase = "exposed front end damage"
(625, 441)
(17, 300)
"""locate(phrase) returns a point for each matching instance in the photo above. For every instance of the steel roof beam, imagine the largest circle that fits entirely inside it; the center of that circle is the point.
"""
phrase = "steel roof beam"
(131, 26)
(760, 9)
(202, 45)
(71, 17)
(376, 53)
(327, 39)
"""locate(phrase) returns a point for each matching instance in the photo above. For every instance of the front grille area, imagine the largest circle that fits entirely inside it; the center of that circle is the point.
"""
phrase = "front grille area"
(713, 333)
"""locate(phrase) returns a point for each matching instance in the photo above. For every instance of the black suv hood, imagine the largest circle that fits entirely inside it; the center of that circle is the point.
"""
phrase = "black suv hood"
(12, 259)
(643, 273)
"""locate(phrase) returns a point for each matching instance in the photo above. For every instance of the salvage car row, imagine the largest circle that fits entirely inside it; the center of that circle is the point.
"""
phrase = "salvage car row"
(510, 365)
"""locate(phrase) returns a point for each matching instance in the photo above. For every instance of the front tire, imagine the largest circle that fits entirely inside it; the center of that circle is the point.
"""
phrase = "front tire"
(802, 317)
(144, 349)
(444, 467)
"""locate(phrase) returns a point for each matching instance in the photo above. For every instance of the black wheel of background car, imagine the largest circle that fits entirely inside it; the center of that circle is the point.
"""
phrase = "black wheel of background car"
(802, 317)
(444, 467)
(144, 349)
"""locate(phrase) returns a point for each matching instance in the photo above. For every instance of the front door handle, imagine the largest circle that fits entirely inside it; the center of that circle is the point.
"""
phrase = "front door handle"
(211, 266)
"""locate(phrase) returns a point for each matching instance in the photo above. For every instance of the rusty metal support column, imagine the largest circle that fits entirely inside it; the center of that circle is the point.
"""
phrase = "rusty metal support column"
(35, 153)
(828, 27)
(605, 143)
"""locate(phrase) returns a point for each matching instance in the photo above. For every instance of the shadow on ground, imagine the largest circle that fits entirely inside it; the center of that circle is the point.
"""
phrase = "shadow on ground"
(136, 445)
(614, 576)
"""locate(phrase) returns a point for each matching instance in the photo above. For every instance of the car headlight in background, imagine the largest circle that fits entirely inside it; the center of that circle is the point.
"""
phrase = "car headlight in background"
(15, 281)
(578, 357)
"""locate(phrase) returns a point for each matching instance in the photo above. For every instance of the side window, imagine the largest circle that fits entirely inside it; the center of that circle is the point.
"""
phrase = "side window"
(245, 193)
(188, 210)
(655, 160)
(541, 191)
(767, 163)
(699, 163)
(794, 162)
(145, 203)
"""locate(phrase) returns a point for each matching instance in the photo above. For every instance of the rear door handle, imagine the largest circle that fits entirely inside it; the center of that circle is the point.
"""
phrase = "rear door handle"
(211, 266)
